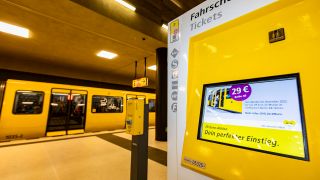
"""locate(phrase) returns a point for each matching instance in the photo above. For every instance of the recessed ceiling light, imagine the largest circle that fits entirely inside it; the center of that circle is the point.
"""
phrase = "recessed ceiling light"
(177, 3)
(164, 26)
(127, 5)
(106, 54)
(14, 30)
(153, 68)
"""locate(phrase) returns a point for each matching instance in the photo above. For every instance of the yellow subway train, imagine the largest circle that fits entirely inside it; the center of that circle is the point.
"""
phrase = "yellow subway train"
(221, 99)
(32, 109)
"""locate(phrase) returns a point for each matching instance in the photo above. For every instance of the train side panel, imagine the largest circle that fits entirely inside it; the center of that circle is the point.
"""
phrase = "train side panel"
(99, 121)
(18, 126)
(231, 104)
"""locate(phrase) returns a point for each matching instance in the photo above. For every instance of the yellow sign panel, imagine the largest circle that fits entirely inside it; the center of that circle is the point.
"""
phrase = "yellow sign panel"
(284, 142)
(174, 31)
(142, 82)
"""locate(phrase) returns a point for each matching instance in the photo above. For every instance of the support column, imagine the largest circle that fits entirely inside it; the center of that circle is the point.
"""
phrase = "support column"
(161, 93)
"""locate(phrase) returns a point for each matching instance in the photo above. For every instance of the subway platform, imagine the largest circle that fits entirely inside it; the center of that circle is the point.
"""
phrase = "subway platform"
(94, 156)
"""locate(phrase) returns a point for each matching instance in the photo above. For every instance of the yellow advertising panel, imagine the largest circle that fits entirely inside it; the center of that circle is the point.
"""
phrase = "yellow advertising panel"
(283, 142)
(272, 130)
(259, 114)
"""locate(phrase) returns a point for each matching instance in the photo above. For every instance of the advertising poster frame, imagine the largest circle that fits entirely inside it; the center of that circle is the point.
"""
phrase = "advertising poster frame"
(254, 80)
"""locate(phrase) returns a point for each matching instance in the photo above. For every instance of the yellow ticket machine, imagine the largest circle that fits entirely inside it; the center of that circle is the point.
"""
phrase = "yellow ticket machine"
(267, 125)
(137, 126)
(135, 116)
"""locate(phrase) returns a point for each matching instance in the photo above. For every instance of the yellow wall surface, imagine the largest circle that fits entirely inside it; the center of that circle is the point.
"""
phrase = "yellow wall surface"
(238, 50)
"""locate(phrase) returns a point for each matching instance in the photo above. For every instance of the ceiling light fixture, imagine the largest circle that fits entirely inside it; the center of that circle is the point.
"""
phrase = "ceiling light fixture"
(106, 54)
(127, 5)
(14, 30)
(164, 26)
(177, 3)
(153, 68)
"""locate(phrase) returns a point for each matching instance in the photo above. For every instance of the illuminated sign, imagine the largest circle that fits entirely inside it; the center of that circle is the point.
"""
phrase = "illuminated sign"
(260, 114)
(142, 82)
(174, 31)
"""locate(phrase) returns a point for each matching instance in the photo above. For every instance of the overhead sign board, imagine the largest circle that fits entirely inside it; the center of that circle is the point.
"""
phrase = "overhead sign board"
(142, 82)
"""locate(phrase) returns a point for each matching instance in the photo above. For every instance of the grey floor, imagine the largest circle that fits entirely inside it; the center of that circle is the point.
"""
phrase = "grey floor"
(103, 155)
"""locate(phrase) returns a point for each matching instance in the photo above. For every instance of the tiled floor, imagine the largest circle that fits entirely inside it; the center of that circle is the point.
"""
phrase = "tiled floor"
(87, 157)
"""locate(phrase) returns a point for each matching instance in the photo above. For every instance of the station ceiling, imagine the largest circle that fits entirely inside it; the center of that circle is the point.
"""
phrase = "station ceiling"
(67, 34)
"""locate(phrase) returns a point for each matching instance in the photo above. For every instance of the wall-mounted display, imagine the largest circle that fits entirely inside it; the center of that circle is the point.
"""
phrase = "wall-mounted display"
(262, 114)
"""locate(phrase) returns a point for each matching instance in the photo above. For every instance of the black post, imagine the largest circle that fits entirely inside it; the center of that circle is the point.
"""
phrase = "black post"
(135, 69)
(161, 94)
(139, 151)
(145, 66)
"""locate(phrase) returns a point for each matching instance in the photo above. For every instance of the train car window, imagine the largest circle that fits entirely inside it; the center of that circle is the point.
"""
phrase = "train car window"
(152, 105)
(107, 104)
(2, 88)
(28, 102)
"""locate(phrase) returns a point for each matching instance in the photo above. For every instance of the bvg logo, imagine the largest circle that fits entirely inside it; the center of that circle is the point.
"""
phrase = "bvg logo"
(174, 31)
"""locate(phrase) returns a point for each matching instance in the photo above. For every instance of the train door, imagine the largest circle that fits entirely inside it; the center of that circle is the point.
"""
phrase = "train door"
(222, 98)
(67, 112)
(217, 99)
(210, 100)
(2, 88)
